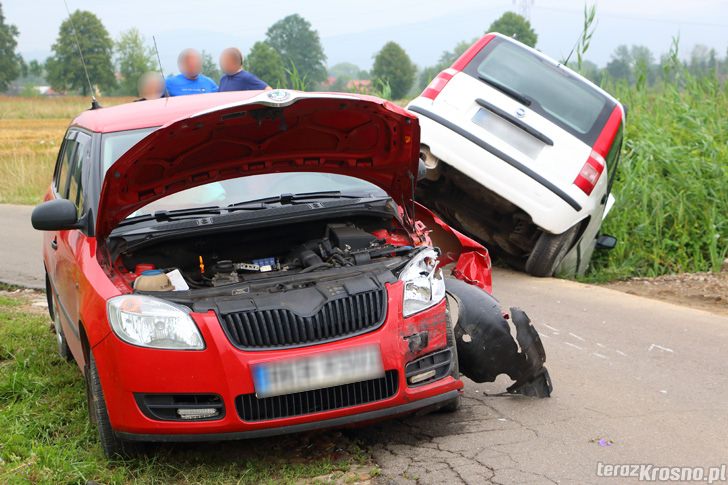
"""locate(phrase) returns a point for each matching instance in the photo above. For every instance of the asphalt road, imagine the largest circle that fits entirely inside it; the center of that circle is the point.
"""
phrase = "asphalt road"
(636, 381)
(20, 262)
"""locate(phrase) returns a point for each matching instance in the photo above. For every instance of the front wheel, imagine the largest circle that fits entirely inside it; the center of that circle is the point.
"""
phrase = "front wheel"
(113, 446)
(548, 252)
(454, 404)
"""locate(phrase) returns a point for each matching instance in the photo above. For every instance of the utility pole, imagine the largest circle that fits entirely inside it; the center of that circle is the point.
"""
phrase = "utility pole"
(524, 8)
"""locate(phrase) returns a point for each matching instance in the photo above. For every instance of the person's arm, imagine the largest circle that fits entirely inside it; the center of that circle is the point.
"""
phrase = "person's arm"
(257, 83)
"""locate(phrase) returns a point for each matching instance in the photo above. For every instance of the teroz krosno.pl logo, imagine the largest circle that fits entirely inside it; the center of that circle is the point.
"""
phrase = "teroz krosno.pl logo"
(645, 472)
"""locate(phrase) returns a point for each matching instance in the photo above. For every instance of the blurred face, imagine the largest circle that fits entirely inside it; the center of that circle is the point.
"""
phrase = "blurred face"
(152, 87)
(191, 66)
(229, 63)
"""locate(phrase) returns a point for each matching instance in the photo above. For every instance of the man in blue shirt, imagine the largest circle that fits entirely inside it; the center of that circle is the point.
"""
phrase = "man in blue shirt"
(235, 78)
(191, 80)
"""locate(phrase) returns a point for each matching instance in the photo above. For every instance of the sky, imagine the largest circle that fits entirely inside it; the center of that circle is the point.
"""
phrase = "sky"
(354, 31)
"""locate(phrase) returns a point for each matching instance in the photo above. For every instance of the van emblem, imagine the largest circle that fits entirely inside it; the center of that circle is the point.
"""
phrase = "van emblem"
(521, 113)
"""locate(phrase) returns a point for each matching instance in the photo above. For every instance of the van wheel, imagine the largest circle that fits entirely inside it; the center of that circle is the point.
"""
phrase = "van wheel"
(113, 446)
(548, 252)
(61, 342)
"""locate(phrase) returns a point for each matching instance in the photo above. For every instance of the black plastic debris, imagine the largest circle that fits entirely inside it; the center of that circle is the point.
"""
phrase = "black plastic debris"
(486, 346)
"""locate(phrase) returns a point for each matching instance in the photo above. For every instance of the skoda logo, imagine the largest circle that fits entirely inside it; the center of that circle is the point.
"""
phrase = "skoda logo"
(279, 95)
(520, 112)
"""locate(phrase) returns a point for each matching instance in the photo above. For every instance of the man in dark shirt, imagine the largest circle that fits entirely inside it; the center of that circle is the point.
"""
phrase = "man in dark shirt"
(235, 78)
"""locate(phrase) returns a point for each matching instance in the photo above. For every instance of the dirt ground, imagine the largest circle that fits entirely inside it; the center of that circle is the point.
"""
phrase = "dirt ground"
(705, 291)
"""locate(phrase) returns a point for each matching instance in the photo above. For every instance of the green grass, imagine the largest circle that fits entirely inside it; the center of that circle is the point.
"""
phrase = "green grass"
(671, 214)
(45, 435)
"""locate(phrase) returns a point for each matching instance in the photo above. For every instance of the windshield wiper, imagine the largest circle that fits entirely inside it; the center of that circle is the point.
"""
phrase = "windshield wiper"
(521, 98)
(284, 199)
(168, 215)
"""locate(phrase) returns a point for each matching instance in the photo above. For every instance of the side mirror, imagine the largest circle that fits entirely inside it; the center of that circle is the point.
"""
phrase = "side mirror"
(421, 170)
(55, 215)
(605, 241)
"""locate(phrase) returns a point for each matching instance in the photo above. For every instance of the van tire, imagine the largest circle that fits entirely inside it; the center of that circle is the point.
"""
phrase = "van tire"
(548, 252)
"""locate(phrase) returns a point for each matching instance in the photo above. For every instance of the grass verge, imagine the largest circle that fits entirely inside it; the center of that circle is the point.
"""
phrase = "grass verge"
(45, 435)
(671, 214)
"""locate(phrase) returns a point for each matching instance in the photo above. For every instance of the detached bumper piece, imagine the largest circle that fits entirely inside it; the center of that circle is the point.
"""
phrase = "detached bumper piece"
(486, 347)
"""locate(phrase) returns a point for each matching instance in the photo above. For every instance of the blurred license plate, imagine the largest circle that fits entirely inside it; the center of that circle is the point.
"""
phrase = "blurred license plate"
(324, 370)
(509, 133)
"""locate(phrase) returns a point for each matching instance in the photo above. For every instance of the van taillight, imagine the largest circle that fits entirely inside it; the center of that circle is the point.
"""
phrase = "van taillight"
(590, 172)
(438, 84)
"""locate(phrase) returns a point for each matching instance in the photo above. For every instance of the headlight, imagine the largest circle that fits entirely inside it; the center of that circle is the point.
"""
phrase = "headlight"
(151, 322)
(424, 285)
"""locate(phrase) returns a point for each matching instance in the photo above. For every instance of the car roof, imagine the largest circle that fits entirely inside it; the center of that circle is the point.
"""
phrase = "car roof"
(158, 112)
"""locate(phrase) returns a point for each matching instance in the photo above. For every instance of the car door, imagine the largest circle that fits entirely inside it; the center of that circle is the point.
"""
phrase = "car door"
(68, 242)
(59, 189)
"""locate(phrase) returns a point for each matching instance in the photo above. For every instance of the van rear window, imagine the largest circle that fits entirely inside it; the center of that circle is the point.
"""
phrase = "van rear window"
(550, 90)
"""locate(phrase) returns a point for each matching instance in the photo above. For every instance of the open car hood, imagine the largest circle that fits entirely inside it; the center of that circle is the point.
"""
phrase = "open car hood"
(275, 131)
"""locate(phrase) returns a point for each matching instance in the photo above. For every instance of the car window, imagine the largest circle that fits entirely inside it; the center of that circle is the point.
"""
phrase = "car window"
(555, 92)
(114, 145)
(75, 186)
(68, 151)
(253, 187)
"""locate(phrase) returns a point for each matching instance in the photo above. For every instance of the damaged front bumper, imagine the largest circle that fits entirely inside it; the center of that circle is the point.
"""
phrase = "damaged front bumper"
(486, 346)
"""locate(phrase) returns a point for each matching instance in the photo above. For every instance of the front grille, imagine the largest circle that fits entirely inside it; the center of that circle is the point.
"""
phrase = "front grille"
(340, 318)
(251, 408)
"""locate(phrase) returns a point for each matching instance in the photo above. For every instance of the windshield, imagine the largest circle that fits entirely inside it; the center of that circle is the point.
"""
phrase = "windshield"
(114, 145)
(551, 90)
(243, 189)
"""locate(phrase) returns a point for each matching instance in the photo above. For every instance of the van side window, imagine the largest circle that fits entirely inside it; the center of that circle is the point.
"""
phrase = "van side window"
(64, 161)
(75, 185)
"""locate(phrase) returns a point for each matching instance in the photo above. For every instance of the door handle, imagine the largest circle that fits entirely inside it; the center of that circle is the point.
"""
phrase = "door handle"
(54, 244)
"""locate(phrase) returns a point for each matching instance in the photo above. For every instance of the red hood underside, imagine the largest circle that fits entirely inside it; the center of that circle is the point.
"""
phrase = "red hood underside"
(360, 136)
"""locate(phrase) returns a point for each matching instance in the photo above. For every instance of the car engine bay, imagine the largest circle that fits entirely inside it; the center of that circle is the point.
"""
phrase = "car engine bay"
(300, 250)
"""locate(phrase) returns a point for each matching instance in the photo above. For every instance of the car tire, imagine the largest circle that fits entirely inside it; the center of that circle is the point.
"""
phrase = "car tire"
(61, 342)
(548, 252)
(454, 404)
(112, 446)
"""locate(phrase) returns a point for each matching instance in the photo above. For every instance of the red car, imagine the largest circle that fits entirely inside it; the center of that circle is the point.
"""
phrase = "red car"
(240, 265)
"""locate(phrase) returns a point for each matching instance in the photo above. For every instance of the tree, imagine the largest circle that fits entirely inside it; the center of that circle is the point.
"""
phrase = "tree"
(64, 69)
(345, 69)
(265, 62)
(10, 61)
(619, 66)
(133, 59)
(300, 45)
(210, 68)
(392, 65)
(516, 26)
(36, 69)
(446, 60)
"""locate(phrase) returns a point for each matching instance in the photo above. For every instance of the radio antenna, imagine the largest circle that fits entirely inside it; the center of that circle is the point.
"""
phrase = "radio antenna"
(94, 104)
(161, 70)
